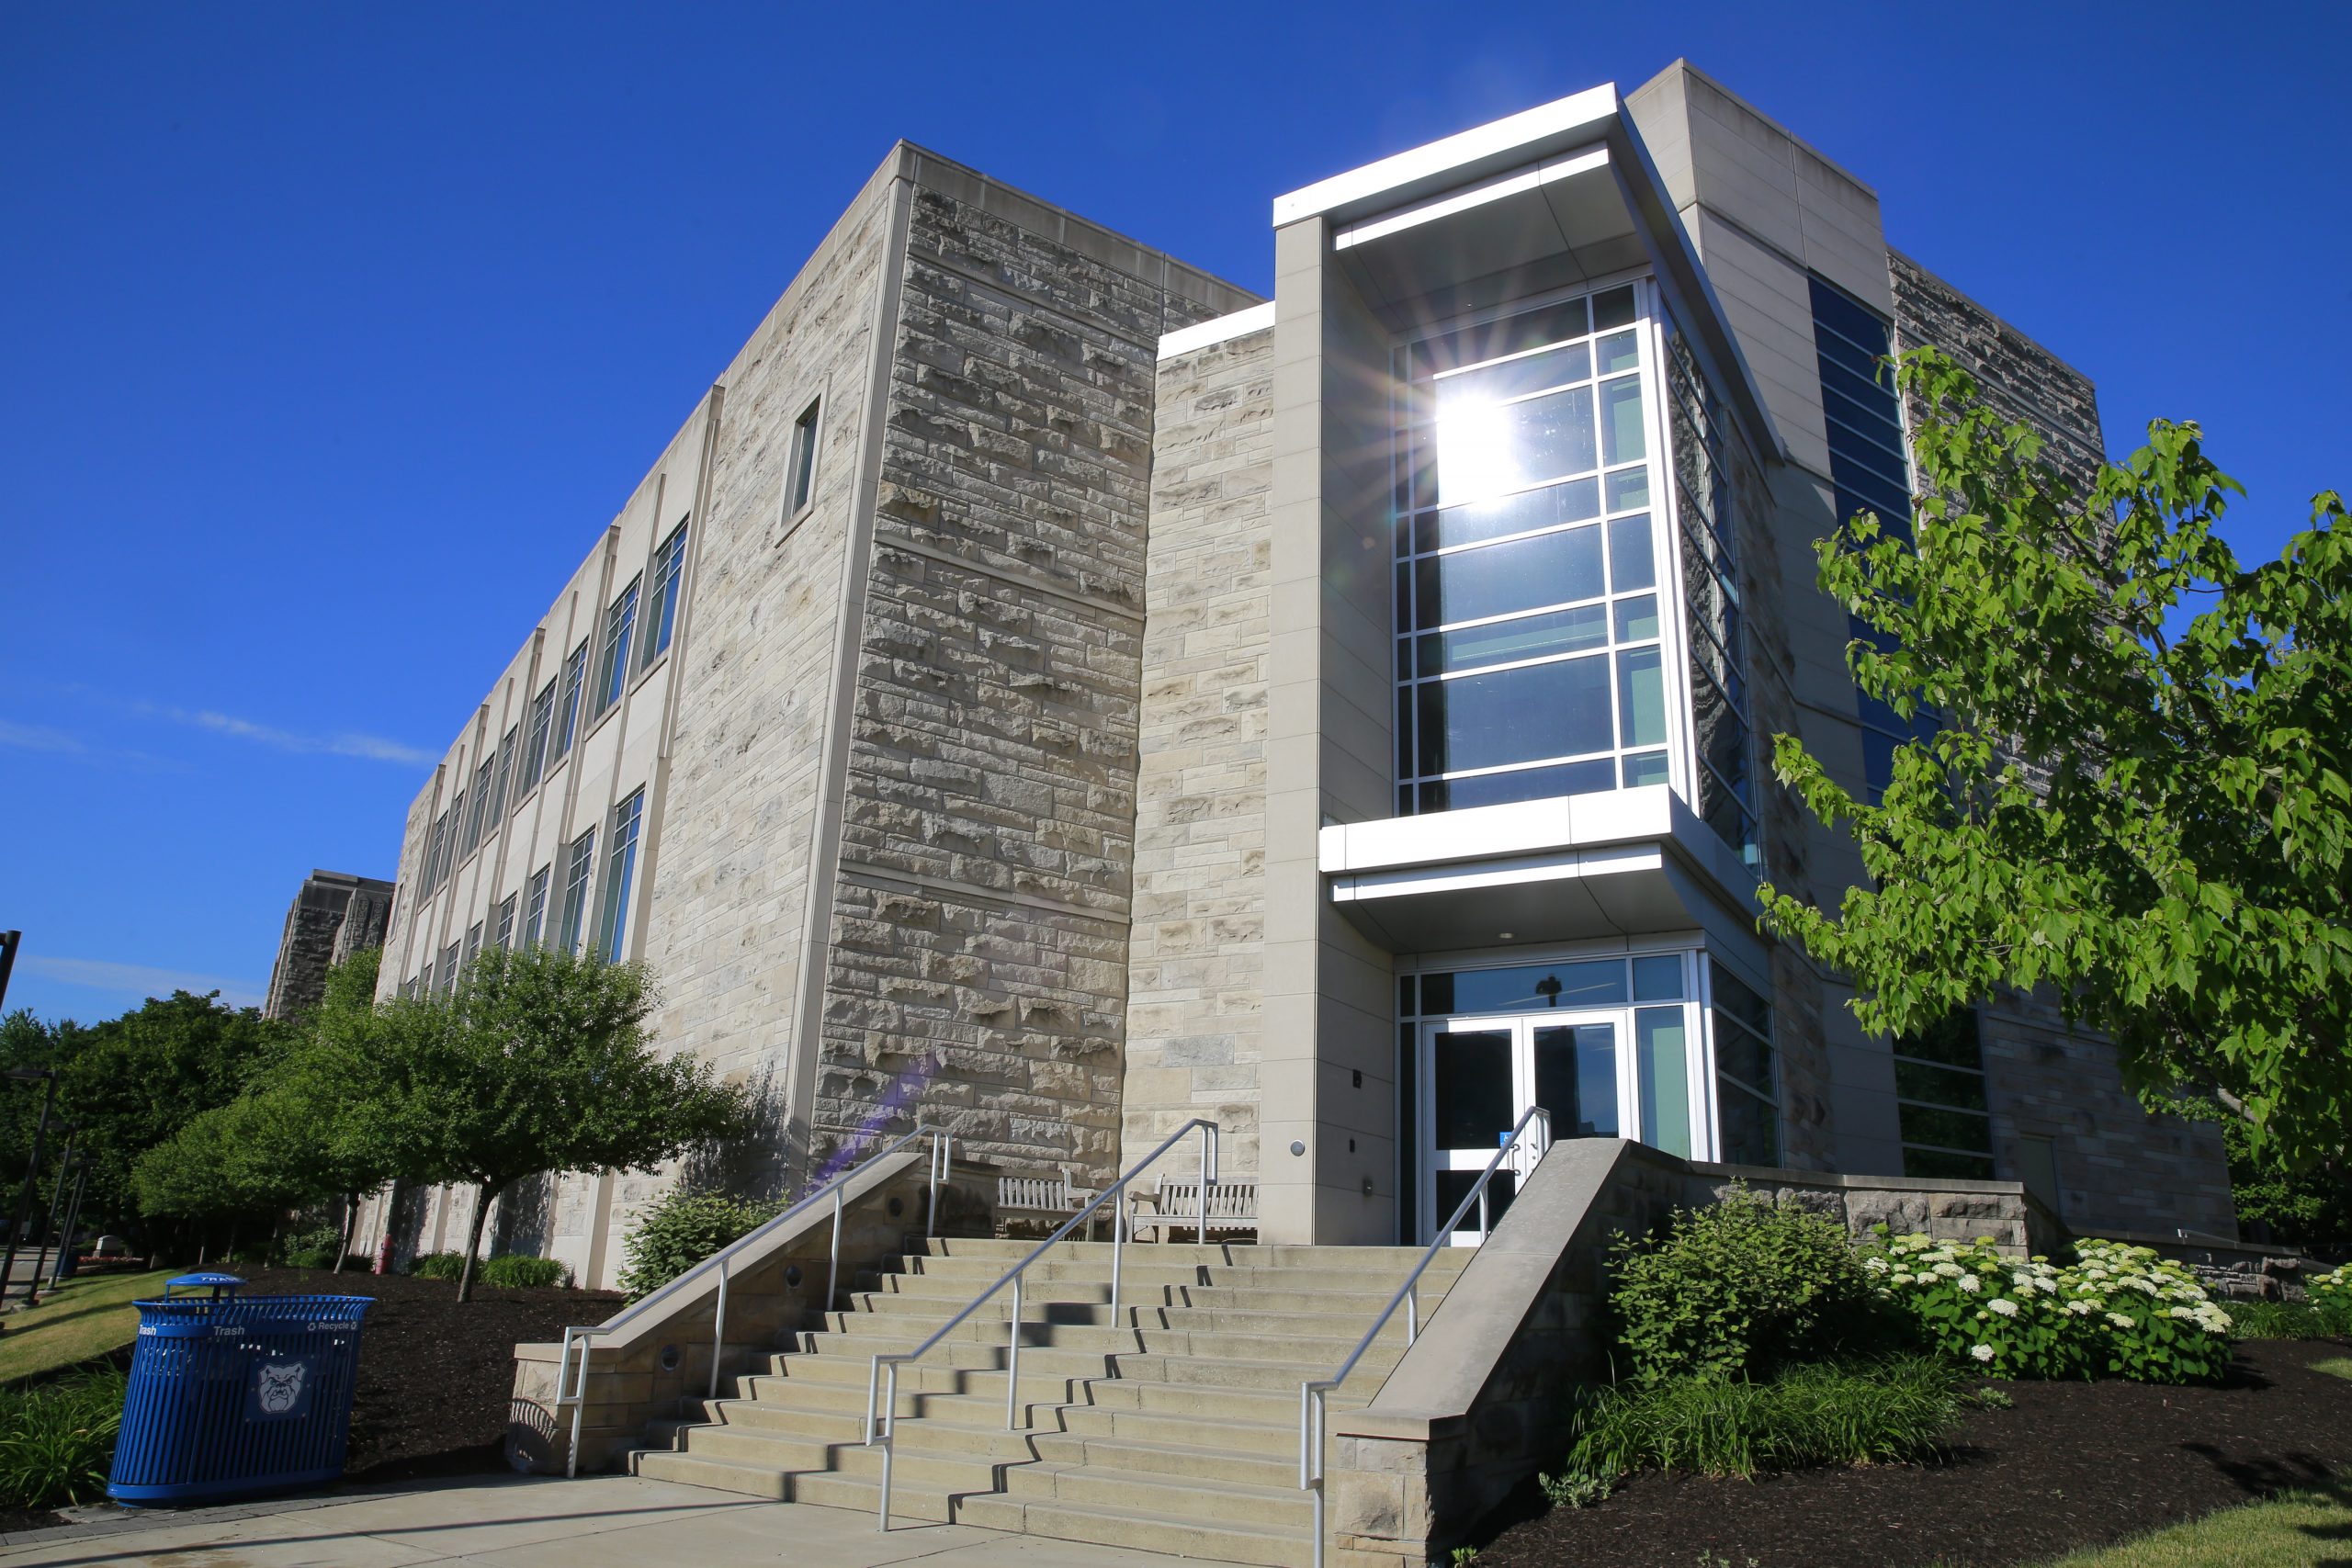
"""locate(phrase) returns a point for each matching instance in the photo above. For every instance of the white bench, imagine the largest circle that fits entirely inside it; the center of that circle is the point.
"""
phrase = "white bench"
(1175, 1204)
(1043, 1195)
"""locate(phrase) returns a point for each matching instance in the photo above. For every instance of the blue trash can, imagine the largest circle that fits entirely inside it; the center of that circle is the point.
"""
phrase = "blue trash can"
(233, 1396)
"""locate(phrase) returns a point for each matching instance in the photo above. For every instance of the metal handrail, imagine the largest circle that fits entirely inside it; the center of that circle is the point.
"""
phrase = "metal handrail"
(1011, 1276)
(1313, 1397)
(941, 1144)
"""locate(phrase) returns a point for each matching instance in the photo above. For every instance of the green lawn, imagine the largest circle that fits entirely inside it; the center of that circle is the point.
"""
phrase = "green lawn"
(2297, 1530)
(87, 1318)
(2335, 1366)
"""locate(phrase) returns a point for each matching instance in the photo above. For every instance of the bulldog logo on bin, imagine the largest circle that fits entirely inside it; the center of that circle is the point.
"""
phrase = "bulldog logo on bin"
(281, 1388)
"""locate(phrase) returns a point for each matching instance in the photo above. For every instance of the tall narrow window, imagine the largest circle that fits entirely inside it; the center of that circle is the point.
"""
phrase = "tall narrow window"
(1747, 1090)
(447, 981)
(475, 820)
(620, 873)
(612, 664)
(473, 941)
(449, 853)
(535, 752)
(429, 875)
(504, 937)
(534, 906)
(801, 481)
(662, 614)
(1939, 1102)
(500, 781)
(1870, 472)
(575, 675)
(576, 877)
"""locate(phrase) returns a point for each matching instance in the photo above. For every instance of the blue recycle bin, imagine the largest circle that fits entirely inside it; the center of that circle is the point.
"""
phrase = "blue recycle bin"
(233, 1396)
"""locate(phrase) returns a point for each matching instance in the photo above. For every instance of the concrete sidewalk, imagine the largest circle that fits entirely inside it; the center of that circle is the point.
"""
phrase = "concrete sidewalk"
(606, 1521)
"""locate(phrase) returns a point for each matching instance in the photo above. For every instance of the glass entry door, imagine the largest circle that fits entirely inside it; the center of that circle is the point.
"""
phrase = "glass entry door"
(1480, 1075)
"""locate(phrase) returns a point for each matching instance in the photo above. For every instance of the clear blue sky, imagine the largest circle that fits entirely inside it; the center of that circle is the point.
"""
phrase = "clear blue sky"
(333, 334)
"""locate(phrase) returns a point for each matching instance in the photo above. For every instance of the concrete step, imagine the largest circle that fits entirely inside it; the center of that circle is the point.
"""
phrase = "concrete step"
(1209, 1373)
(1274, 1508)
(1395, 1259)
(1199, 1463)
(1136, 1529)
(850, 1399)
(1229, 1430)
(854, 1362)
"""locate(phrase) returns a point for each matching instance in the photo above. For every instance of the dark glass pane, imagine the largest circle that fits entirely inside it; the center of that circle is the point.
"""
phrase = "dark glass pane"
(1641, 697)
(1405, 729)
(1575, 1080)
(1614, 309)
(1528, 987)
(1471, 1073)
(1529, 637)
(1658, 978)
(1742, 1055)
(1752, 1128)
(1938, 1164)
(1454, 1185)
(1408, 1125)
(1952, 1041)
(1617, 352)
(1733, 995)
(1529, 510)
(1622, 438)
(1633, 561)
(1649, 768)
(1437, 996)
(1515, 716)
(1494, 579)
(1946, 1129)
(1514, 378)
(1525, 784)
(1404, 1000)
(1878, 761)
(1940, 1086)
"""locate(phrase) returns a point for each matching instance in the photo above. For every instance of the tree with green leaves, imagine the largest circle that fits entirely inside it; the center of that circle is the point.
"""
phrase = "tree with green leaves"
(2135, 792)
(326, 1119)
(538, 1061)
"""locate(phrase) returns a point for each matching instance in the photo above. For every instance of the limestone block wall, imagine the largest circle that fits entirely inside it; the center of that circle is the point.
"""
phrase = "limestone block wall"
(332, 916)
(1196, 958)
(976, 969)
(2116, 1166)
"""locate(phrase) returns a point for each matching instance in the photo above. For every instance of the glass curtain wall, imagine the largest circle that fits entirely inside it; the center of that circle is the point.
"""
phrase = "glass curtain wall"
(1529, 639)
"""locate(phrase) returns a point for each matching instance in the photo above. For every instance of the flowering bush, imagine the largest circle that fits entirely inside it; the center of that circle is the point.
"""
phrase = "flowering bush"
(2117, 1311)
(2334, 1289)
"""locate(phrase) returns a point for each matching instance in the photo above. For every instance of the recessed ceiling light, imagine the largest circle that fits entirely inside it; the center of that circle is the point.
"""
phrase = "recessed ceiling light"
(1505, 935)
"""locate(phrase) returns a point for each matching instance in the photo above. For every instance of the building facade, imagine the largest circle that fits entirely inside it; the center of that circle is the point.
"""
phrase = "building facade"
(1047, 691)
(334, 916)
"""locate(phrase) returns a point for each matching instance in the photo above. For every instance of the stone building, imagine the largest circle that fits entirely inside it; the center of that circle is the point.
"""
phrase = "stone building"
(1046, 689)
(335, 916)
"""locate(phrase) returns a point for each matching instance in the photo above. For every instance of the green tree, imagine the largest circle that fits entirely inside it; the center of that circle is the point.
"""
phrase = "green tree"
(538, 1062)
(133, 1082)
(324, 1125)
(2136, 795)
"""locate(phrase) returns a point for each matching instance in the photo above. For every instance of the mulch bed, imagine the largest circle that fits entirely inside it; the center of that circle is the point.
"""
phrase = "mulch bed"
(435, 1376)
(2072, 1465)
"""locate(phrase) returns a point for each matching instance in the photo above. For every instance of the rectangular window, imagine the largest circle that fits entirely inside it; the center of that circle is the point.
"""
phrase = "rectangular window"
(473, 941)
(575, 675)
(504, 937)
(534, 906)
(1940, 1100)
(1529, 653)
(429, 875)
(801, 475)
(620, 873)
(500, 781)
(447, 981)
(662, 614)
(481, 813)
(449, 853)
(577, 873)
(612, 664)
(1747, 1087)
(535, 752)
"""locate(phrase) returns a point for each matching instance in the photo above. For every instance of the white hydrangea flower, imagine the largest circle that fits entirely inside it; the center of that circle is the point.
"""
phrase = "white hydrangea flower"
(2184, 1313)
(2120, 1321)
(2002, 1306)
(1982, 1352)
(1970, 1284)
(1950, 1271)
(1875, 1265)
(2081, 1308)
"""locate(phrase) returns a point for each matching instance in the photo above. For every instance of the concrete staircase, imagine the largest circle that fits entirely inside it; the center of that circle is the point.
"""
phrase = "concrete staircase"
(1169, 1426)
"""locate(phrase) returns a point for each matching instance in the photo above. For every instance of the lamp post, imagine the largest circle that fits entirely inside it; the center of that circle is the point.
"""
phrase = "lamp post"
(8, 941)
(32, 1167)
(56, 1201)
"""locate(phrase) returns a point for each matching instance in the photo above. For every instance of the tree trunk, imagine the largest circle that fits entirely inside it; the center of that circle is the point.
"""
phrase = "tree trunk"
(350, 1223)
(483, 1193)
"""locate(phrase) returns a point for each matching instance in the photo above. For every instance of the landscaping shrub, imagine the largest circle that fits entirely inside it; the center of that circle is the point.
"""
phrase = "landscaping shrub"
(1858, 1414)
(57, 1440)
(437, 1265)
(518, 1271)
(2334, 1289)
(2313, 1319)
(2117, 1311)
(1740, 1288)
(312, 1249)
(680, 1229)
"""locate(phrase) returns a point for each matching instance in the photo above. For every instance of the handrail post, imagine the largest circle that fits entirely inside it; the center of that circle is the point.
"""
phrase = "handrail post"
(1118, 1245)
(890, 1410)
(938, 1171)
(1012, 1361)
(1208, 1175)
(833, 1266)
(719, 1326)
(1412, 1311)
(1482, 1214)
